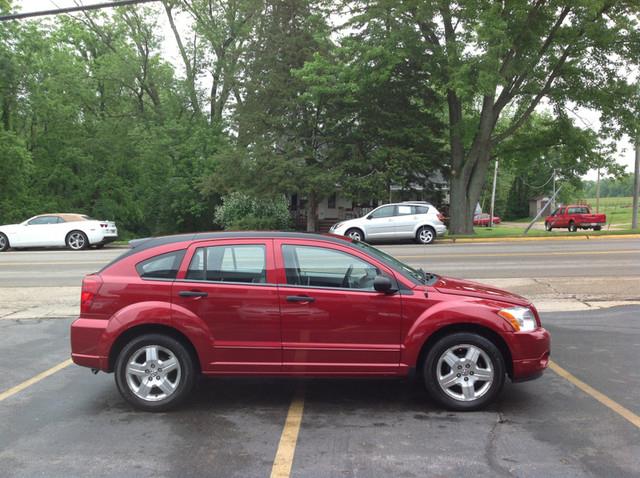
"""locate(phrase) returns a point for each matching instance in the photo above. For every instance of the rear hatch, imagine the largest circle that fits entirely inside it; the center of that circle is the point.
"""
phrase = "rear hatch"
(109, 228)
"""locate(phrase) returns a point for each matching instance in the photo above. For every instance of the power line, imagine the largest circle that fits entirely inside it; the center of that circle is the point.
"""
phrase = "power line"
(58, 11)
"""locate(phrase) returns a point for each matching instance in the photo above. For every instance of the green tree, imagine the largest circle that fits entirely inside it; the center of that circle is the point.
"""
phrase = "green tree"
(499, 60)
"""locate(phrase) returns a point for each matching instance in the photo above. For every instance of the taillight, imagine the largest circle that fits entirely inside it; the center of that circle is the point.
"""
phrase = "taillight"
(90, 287)
(440, 217)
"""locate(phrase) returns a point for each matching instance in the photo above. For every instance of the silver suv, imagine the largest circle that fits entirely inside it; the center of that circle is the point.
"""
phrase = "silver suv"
(406, 220)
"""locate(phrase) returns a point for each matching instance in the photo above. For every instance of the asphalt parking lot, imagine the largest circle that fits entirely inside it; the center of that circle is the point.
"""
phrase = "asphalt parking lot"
(582, 418)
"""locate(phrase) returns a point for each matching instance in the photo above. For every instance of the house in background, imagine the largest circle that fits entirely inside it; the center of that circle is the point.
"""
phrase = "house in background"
(536, 205)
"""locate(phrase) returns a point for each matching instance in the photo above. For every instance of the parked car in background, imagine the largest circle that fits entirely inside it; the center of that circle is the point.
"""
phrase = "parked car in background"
(574, 218)
(483, 220)
(420, 221)
(297, 304)
(75, 231)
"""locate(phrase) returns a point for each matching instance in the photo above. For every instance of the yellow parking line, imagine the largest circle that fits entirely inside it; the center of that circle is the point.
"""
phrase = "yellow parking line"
(601, 397)
(520, 254)
(27, 383)
(287, 446)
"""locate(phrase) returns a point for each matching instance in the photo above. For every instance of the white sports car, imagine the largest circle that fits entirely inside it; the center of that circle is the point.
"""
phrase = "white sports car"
(75, 231)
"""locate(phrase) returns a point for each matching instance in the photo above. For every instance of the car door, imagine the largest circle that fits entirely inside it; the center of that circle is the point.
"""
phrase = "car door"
(333, 321)
(380, 222)
(405, 219)
(230, 286)
(557, 218)
(40, 231)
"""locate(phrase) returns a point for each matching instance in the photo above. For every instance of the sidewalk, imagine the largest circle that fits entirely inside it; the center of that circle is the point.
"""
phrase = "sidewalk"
(548, 294)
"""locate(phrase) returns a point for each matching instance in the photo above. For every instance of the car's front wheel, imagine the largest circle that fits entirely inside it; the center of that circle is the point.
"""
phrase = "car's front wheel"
(77, 240)
(572, 227)
(154, 372)
(355, 234)
(426, 235)
(548, 226)
(4, 242)
(464, 371)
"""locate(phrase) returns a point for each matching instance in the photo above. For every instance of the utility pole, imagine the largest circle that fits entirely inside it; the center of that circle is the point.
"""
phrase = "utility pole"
(553, 201)
(493, 193)
(636, 187)
(598, 192)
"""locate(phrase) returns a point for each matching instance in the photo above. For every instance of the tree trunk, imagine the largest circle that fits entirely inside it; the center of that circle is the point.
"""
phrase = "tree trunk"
(312, 212)
(460, 209)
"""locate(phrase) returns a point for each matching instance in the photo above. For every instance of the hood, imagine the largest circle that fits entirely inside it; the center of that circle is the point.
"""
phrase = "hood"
(9, 227)
(449, 285)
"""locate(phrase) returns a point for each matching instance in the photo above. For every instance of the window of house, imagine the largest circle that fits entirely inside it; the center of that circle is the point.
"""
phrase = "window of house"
(331, 201)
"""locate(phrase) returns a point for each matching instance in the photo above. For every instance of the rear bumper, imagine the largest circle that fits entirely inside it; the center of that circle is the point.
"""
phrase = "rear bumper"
(87, 344)
(441, 230)
(530, 353)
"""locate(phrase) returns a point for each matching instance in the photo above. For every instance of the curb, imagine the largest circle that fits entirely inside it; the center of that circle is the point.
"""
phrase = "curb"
(454, 240)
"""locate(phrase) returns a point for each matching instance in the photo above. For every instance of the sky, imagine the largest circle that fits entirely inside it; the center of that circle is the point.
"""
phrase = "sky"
(585, 118)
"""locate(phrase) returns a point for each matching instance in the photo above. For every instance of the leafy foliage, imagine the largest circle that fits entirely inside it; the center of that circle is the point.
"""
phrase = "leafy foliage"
(240, 211)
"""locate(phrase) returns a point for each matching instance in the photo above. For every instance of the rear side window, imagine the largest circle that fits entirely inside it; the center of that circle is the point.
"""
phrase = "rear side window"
(420, 209)
(404, 210)
(164, 266)
(240, 263)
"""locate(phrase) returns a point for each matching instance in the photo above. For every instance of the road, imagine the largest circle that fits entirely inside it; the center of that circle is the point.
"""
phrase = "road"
(535, 259)
(73, 423)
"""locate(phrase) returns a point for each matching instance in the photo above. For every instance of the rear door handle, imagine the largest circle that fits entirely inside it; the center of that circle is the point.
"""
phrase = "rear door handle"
(300, 298)
(192, 293)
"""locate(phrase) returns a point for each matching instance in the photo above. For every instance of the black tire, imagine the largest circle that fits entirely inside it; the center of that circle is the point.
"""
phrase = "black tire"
(572, 227)
(548, 227)
(4, 242)
(486, 390)
(186, 373)
(426, 235)
(355, 234)
(597, 228)
(77, 241)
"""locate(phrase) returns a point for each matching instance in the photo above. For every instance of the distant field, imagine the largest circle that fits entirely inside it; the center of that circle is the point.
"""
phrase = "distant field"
(618, 210)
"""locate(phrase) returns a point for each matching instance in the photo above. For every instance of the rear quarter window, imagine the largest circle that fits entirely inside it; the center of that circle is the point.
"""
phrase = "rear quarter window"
(163, 266)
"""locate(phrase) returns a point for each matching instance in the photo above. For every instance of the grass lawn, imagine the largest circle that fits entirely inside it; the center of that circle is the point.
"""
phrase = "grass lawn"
(618, 210)
(507, 231)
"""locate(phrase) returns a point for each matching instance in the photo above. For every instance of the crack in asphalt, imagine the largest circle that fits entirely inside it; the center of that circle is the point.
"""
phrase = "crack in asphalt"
(490, 449)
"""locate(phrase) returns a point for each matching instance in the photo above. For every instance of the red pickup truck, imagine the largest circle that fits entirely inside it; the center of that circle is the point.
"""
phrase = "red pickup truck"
(574, 218)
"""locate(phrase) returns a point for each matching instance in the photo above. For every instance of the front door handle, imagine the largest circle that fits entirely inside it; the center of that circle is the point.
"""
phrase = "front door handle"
(300, 298)
(192, 293)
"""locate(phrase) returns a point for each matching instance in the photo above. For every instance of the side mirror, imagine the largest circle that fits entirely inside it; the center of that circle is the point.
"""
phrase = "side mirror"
(369, 216)
(384, 284)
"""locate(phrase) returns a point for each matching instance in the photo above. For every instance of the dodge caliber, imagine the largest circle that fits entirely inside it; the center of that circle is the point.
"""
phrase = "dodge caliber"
(297, 304)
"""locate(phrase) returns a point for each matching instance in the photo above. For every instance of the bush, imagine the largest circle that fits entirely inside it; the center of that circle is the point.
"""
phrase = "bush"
(243, 212)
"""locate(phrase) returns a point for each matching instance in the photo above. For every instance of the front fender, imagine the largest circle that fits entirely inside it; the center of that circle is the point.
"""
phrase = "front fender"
(467, 311)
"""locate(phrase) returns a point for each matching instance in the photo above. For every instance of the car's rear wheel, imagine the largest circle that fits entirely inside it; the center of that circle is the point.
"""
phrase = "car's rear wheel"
(426, 235)
(572, 227)
(4, 242)
(154, 372)
(77, 240)
(355, 234)
(548, 227)
(464, 371)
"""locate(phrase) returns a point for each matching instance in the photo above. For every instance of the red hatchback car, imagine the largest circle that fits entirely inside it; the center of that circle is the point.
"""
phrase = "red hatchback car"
(297, 304)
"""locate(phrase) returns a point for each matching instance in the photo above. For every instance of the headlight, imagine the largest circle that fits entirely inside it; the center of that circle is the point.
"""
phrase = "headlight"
(336, 226)
(520, 318)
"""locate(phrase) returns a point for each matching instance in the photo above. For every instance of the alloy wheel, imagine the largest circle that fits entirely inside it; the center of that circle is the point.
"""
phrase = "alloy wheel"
(426, 236)
(153, 373)
(465, 372)
(354, 234)
(3, 242)
(76, 241)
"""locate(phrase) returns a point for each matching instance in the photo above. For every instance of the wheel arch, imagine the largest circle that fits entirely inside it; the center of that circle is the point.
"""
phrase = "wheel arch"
(359, 228)
(142, 329)
(481, 330)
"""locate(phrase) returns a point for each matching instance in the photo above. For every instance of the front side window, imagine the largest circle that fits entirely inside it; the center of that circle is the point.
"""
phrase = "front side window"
(164, 266)
(43, 220)
(385, 211)
(319, 267)
(232, 263)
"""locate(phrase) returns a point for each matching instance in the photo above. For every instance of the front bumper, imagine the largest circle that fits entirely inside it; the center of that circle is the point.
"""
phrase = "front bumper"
(530, 353)
(88, 344)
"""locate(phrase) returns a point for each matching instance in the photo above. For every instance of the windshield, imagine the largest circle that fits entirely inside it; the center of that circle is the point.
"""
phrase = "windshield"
(417, 276)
